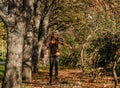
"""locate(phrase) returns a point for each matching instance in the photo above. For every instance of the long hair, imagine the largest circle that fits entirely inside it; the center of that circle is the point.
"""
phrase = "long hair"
(53, 37)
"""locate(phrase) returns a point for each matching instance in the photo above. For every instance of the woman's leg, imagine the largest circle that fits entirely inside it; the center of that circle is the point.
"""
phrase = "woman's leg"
(56, 66)
(51, 68)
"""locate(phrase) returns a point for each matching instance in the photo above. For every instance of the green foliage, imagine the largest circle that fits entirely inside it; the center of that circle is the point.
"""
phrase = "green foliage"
(71, 58)
(70, 61)
(3, 47)
(3, 39)
(2, 28)
(104, 46)
(82, 23)
(2, 68)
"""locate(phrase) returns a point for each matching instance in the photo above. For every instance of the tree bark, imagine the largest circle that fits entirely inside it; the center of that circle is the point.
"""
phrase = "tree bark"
(117, 59)
(27, 59)
(16, 24)
(43, 27)
(41, 38)
(28, 44)
(37, 18)
(115, 74)
(13, 69)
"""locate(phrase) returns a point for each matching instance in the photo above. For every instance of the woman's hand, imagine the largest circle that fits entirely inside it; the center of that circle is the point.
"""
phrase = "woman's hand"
(70, 47)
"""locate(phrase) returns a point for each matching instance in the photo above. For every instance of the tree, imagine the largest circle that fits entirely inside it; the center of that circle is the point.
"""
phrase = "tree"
(116, 60)
(45, 14)
(28, 41)
(15, 24)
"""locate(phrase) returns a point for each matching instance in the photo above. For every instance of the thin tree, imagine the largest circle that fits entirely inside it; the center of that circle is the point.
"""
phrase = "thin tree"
(116, 60)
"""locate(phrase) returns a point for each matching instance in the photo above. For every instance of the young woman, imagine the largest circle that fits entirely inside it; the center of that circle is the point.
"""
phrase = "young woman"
(54, 54)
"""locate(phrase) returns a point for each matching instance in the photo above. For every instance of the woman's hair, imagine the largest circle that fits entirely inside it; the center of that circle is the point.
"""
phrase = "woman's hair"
(52, 35)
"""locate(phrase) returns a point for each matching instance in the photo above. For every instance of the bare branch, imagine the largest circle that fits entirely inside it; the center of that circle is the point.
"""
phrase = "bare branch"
(53, 3)
(3, 16)
(49, 8)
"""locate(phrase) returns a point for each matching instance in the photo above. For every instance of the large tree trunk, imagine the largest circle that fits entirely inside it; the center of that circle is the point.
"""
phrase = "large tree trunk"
(37, 18)
(15, 22)
(28, 44)
(41, 38)
(27, 59)
(13, 69)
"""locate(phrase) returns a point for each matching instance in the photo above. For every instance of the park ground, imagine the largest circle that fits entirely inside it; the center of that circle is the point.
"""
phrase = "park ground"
(71, 78)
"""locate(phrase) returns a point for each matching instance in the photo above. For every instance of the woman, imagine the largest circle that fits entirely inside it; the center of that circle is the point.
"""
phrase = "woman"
(54, 54)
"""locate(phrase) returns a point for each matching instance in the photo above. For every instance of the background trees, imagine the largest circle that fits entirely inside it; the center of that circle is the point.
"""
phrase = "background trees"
(18, 21)
(91, 27)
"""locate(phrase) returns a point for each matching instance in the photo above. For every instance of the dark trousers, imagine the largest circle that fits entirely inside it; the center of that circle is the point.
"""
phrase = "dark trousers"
(54, 60)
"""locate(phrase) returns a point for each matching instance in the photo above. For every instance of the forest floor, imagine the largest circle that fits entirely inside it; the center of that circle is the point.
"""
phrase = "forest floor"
(71, 78)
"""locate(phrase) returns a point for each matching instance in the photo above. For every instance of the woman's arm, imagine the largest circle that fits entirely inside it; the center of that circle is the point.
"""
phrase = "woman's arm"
(64, 44)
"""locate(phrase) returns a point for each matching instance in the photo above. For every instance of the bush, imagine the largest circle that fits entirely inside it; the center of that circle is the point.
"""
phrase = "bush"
(105, 46)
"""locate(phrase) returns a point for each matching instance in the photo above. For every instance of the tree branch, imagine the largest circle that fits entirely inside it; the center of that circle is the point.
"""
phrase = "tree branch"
(49, 8)
(53, 3)
(3, 16)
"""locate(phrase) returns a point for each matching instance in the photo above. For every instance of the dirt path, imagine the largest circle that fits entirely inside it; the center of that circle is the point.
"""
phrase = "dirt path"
(70, 79)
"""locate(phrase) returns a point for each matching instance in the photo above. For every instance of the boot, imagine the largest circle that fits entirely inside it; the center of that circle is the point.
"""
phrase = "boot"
(56, 78)
(50, 80)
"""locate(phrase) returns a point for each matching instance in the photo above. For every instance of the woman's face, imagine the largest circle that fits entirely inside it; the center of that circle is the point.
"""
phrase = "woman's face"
(55, 35)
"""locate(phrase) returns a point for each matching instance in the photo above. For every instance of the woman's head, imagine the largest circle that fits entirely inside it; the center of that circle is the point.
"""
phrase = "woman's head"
(54, 35)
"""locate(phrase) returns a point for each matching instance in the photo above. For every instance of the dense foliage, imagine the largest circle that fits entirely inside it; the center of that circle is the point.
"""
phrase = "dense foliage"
(3, 38)
(85, 26)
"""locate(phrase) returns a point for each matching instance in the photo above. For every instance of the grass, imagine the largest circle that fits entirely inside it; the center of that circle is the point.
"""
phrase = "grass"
(2, 68)
(2, 58)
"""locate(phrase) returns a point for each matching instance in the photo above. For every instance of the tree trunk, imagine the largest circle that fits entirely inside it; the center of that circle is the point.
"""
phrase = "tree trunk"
(13, 69)
(28, 44)
(41, 38)
(41, 27)
(37, 19)
(116, 58)
(115, 74)
(42, 35)
(82, 59)
(16, 25)
(44, 12)
(27, 59)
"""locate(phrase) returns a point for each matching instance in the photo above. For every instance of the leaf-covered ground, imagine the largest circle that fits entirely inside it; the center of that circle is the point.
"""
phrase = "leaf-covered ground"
(71, 79)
